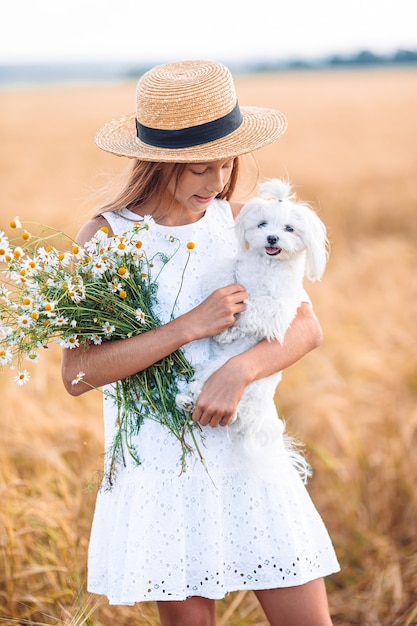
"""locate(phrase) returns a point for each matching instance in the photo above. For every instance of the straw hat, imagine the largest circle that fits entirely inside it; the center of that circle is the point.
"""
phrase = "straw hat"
(188, 112)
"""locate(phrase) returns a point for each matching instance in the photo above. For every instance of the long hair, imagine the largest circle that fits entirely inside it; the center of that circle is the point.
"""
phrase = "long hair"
(148, 181)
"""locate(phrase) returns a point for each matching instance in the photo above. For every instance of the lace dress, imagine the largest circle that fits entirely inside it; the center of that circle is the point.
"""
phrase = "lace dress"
(160, 534)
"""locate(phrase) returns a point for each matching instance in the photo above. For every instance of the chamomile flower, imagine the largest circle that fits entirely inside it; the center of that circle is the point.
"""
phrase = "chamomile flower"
(99, 267)
(64, 258)
(120, 245)
(5, 249)
(60, 321)
(123, 271)
(108, 329)
(25, 321)
(15, 223)
(70, 342)
(6, 356)
(22, 378)
(76, 292)
(115, 285)
(32, 357)
(30, 266)
(96, 339)
(48, 307)
(18, 253)
(140, 316)
(5, 293)
(98, 243)
(148, 221)
(5, 331)
(78, 378)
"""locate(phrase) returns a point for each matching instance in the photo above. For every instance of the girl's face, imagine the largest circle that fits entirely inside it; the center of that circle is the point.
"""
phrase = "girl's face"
(198, 185)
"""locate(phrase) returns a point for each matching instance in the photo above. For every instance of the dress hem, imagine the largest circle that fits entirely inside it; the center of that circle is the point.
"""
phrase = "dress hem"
(180, 597)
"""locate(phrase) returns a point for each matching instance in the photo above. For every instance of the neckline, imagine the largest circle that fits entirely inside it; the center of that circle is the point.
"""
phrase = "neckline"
(130, 215)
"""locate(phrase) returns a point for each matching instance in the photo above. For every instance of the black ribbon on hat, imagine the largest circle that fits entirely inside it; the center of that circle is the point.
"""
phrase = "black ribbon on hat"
(193, 135)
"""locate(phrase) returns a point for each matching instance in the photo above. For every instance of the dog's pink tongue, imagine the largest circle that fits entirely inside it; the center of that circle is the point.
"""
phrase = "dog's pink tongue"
(272, 250)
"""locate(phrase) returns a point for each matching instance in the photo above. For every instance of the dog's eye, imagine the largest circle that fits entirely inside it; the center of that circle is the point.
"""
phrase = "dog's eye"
(289, 228)
(262, 225)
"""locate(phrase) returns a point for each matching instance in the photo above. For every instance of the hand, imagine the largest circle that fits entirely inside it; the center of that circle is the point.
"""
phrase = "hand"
(217, 312)
(218, 400)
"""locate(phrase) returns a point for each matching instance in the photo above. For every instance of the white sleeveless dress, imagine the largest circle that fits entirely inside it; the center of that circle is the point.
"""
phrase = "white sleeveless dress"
(164, 535)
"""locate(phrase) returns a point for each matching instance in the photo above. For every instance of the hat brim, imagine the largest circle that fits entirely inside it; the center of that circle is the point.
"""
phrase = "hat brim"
(260, 127)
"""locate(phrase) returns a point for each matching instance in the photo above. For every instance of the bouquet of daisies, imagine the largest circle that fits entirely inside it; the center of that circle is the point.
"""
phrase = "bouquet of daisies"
(75, 296)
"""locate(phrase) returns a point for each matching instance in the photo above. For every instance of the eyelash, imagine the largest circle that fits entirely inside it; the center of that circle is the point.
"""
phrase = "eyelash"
(225, 167)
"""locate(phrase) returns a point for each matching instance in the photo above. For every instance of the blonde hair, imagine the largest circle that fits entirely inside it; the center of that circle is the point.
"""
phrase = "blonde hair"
(148, 181)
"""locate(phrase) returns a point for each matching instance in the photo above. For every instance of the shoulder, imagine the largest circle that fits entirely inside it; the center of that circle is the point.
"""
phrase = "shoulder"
(236, 206)
(89, 229)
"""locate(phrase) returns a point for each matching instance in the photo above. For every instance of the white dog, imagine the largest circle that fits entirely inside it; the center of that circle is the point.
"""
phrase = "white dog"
(280, 242)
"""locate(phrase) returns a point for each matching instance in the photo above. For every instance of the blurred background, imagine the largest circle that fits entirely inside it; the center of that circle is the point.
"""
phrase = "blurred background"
(345, 76)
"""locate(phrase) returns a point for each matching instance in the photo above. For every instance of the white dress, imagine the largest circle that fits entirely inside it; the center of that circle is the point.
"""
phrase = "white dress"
(160, 534)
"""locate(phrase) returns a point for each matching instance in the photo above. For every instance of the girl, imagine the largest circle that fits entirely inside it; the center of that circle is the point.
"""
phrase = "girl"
(186, 539)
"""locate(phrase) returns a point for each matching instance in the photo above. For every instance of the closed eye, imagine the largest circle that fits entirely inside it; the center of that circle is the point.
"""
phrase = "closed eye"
(262, 224)
(289, 229)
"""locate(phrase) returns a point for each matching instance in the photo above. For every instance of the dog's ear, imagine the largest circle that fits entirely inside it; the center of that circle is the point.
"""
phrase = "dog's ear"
(240, 223)
(316, 242)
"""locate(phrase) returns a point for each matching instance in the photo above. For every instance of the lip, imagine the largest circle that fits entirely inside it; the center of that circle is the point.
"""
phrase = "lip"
(203, 200)
(272, 251)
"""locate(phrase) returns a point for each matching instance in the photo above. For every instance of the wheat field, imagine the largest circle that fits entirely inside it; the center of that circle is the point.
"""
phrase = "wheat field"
(350, 150)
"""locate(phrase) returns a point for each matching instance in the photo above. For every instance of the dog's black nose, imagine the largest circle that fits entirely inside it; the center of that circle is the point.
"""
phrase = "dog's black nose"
(272, 240)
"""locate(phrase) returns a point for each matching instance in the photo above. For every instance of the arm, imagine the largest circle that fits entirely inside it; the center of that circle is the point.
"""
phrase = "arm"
(115, 360)
(223, 390)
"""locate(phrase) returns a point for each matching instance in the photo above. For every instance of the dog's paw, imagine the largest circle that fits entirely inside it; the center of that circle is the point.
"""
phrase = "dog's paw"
(188, 397)
(228, 336)
(185, 402)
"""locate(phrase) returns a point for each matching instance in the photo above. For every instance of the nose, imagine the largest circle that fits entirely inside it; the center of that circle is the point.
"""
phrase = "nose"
(217, 181)
(272, 240)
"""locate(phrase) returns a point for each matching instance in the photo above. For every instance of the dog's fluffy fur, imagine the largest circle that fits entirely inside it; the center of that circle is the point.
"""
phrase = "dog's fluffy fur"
(280, 241)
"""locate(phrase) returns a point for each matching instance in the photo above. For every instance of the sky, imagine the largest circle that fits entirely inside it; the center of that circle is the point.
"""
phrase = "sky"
(153, 31)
